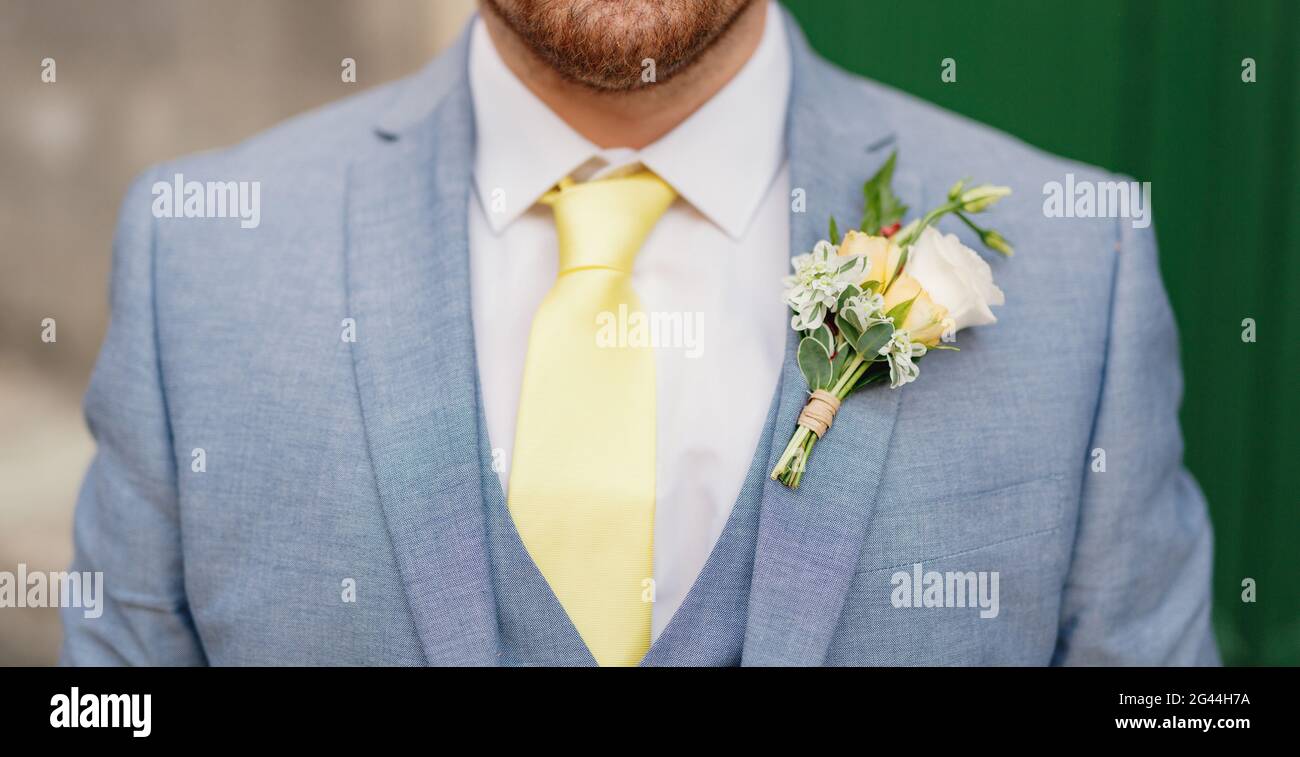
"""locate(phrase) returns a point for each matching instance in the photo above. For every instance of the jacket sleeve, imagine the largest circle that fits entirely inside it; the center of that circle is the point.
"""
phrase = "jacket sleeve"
(1138, 589)
(127, 523)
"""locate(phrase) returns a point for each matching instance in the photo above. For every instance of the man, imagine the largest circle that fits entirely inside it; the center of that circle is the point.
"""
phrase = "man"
(382, 427)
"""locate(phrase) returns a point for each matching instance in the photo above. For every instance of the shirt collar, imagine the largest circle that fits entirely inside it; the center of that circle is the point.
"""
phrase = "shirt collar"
(721, 159)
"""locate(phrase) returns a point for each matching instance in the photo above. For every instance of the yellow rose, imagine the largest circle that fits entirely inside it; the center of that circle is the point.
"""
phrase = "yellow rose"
(926, 319)
(881, 254)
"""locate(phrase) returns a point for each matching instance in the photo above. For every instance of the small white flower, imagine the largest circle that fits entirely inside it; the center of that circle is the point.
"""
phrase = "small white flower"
(867, 308)
(820, 277)
(900, 351)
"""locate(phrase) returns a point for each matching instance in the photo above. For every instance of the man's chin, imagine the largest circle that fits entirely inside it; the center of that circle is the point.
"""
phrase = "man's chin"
(617, 46)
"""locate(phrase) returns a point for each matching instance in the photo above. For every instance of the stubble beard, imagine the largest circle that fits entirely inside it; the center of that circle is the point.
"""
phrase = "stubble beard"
(610, 45)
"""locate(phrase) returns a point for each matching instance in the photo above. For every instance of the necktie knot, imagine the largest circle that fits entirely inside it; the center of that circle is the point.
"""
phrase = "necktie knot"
(603, 223)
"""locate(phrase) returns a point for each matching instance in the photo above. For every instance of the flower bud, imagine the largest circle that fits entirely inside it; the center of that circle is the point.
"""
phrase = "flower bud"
(995, 241)
(980, 198)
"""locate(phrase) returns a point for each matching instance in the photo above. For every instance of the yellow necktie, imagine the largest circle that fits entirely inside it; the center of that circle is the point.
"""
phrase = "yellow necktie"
(582, 480)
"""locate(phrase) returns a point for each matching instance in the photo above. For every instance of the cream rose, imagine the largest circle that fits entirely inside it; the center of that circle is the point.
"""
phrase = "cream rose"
(881, 254)
(955, 277)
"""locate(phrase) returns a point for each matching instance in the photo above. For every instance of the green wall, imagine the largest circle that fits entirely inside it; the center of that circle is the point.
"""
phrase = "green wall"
(1153, 88)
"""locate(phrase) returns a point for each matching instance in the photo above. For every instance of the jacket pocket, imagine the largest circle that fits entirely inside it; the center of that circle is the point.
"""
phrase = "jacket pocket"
(905, 532)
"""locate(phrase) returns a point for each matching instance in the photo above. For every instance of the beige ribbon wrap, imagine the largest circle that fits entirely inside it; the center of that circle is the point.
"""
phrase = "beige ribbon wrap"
(820, 411)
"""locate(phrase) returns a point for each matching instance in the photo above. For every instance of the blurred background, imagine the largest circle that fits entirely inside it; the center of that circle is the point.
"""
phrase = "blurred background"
(138, 82)
(1151, 88)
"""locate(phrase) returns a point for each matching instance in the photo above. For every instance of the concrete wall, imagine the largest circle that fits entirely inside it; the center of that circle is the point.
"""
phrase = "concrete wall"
(138, 82)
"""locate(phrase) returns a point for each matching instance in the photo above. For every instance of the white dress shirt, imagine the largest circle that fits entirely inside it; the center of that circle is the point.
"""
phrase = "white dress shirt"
(715, 259)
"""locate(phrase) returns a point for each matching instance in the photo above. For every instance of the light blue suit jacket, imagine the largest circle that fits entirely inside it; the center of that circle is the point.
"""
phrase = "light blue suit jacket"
(330, 462)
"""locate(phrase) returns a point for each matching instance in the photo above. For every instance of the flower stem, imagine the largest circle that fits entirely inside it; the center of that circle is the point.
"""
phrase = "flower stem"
(852, 372)
(801, 444)
(926, 220)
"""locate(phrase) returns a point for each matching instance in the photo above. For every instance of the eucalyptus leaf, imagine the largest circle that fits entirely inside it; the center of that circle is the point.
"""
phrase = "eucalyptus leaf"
(815, 363)
(823, 334)
(869, 343)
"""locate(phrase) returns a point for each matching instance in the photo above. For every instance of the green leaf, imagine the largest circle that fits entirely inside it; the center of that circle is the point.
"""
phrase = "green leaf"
(849, 291)
(835, 232)
(823, 334)
(849, 328)
(902, 261)
(869, 343)
(899, 312)
(815, 363)
(837, 364)
(871, 286)
(881, 207)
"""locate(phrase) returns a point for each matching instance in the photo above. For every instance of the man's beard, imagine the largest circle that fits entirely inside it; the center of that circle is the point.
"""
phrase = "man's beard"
(608, 45)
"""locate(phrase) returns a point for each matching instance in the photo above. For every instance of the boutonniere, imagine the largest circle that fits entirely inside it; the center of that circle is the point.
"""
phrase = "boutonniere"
(870, 305)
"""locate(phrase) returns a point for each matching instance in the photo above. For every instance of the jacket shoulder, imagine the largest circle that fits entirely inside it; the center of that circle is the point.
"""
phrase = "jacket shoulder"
(323, 137)
(960, 140)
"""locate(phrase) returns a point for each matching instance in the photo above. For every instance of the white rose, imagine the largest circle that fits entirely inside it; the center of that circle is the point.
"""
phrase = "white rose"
(956, 277)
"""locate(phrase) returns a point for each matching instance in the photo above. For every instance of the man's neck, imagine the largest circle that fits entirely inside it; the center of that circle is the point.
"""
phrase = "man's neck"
(636, 118)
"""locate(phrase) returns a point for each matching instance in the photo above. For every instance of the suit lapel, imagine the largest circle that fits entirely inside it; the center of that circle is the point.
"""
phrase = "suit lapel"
(809, 540)
(408, 289)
